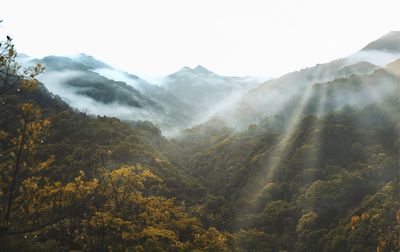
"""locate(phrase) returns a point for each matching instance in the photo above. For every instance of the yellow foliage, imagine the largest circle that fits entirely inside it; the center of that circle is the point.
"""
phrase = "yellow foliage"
(29, 85)
(212, 240)
(381, 245)
(3, 135)
(354, 220)
(306, 220)
(11, 52)
(154, 232)
(365, 216)
(46, 164)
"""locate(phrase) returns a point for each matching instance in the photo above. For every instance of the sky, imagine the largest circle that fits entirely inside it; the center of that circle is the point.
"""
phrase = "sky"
(158, 37)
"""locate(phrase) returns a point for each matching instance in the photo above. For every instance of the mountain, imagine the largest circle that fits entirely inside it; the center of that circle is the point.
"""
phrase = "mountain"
(193, 95)
(291, 94)
(206, 92)
(183, 99)
(87, 83)
(389, 43)
(180, 113)
(308, 161)
(394, 67)
(79, 62)
(90, 61)
(379, 52)
(361, 67)
(58, 63)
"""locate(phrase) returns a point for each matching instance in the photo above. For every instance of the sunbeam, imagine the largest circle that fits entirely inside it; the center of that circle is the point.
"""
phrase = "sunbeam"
(278, 154)
(315, 140)
(280, 151)
(115, 136)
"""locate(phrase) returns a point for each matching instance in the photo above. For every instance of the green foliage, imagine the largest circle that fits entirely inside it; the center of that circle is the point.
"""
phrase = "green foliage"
(324, 173)
(254, 241)
(70, 181)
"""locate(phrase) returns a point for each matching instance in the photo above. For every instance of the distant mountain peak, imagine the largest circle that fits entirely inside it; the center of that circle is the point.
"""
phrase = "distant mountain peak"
(186, 69)
(53, 62)
(183, 71)
(197, 70)
(202, 70)
(389, 43)
(84, 55)
(90, 61)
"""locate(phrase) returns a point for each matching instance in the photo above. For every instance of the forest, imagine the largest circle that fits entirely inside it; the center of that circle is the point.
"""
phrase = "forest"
(73, 181)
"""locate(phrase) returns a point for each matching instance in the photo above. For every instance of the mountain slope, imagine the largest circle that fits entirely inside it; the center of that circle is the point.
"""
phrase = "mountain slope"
(381, 51)
(394, 67)
(180, 113)
(273, 97)
(304, 162)
(389, 43)
(312, 164)
(186, 97)
(206, 92)
(83, 82)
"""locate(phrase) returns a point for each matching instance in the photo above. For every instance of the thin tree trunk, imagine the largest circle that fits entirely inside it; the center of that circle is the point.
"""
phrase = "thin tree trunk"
(15, 174)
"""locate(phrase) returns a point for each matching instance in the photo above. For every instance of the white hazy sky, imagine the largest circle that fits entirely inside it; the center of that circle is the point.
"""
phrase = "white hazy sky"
(157, 37)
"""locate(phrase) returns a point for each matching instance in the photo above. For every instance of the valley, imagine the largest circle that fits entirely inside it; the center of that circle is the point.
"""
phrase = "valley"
(94, 158)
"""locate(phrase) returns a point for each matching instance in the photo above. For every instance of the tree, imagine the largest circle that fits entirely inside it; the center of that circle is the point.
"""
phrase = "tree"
(254, 241)
(129, 214)
(19, 164)
(11, 72)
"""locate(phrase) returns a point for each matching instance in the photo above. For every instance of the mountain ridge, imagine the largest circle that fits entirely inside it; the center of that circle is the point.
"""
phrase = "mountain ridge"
(388, 42)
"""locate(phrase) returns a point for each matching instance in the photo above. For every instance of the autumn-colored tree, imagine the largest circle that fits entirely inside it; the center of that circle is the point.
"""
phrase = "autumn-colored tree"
(19, 166)
(11, 72)
(381, 224)
(29, 200)
(128, 214)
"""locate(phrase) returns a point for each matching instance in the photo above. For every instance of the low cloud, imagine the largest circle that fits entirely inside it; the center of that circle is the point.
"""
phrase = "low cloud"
(379, 58)
(55, 82)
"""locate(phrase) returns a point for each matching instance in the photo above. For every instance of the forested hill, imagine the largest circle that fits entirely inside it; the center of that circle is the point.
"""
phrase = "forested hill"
(174, 102)
(358, 79)
(73, 181)
(320, 173)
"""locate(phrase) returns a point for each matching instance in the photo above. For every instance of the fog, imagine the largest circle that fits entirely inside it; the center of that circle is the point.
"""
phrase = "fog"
(360, 84)
(193, 96)
(379, 58)
(116, 75)
(209, 94)
(55, 82)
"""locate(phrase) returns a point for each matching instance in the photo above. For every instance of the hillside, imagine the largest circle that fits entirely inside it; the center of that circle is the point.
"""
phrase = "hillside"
(274, 96)
(73, 166)
(86, 84)
(183, 99)
(389, 43)
(394, 67)
(305, 162)
(206, 92)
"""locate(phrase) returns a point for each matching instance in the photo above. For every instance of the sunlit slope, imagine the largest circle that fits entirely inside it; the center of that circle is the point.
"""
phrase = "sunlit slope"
(364, 81)
(394, 67)
(300, 156)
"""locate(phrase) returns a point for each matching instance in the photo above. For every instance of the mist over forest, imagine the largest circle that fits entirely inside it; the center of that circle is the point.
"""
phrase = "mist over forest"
(95, 158)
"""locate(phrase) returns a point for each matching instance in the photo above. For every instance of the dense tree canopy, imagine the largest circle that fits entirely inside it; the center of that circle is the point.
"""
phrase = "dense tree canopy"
(73, 181)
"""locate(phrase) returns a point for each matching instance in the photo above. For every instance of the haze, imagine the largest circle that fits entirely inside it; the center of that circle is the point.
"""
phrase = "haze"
(153, 38)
